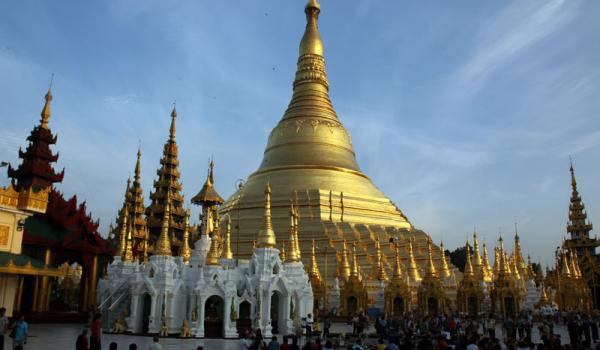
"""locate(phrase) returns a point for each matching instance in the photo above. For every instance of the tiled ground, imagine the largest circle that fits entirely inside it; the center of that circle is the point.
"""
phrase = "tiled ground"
(59, 337)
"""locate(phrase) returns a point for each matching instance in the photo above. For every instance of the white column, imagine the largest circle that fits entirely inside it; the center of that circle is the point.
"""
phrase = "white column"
(200, 332)
(134, 321)
(266, 314)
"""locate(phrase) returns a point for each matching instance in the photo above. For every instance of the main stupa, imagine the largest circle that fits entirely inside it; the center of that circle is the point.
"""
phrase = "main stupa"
(309, 161)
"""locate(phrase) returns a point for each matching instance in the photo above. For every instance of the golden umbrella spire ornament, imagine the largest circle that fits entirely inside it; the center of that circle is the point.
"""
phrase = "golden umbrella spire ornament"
(266, 236)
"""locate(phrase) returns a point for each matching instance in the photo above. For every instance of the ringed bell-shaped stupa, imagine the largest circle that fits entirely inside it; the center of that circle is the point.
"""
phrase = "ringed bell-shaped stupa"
(310, 163)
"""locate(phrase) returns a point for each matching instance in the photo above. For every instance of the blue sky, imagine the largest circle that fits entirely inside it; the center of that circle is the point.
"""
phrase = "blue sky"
(464, 113)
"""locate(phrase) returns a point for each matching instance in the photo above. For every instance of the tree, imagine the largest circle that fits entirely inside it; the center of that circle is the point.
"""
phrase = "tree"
(458, 258)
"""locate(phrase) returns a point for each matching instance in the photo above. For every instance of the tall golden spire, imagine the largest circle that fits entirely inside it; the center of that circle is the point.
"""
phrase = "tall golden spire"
(445, 269)
(574, 266)
(503, 267)
(123, 233)
(296, 240)
(544, 300)
(292, 256)
(496, 261)
(431, 271)
(397, 276)
(486, 268)
(314, 273)
(354, 271)
(413, 270)
(311, 43)
(477, 263)
(469, 271)
(128, 255)
(163, 245)
(185, 250)
(227, 253)
(565, 270)
(46, 110)
(345, 265)
(266, 236)
(283, 253)
(381, 274)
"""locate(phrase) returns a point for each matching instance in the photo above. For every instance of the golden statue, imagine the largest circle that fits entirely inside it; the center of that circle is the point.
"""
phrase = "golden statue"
(185, 330)
(164, 328)
(120, 325)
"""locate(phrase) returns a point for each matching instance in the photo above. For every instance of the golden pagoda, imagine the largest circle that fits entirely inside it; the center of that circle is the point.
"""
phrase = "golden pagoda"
(168, 182)
(470, 290)
(353, 293)
(309, 156)
(505, 292)
(397, 293)
(431, 295)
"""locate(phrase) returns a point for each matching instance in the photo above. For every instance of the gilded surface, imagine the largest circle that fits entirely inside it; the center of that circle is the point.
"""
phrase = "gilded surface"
(4, 234)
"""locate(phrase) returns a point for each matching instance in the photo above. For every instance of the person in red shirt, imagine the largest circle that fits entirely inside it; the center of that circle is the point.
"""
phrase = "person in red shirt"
(82, 342)
(96, 332)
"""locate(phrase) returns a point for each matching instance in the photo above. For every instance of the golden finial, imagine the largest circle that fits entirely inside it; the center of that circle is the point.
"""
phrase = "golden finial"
(46, 110)
(128, 255)
(292, 256)
(431, 271)
(345, 271)
(397, 276)
(544, 300)
(172, 128)
(227, 253)
(186, 252)
(137, 164)
(354, 271)
(211, 172)
(566, 270)
(311, 42)
(445, 269)
(314, 273)
(496, 261)
(163, 245)
(145, 245)
(573, 181)
(381, 274)
(469, 272)
(413, 270)
(266, 236)
(282, 252)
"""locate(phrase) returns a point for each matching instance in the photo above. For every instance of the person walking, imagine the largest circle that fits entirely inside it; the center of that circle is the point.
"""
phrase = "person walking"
(20, 331)
(96, 332)
(274, 344)
(82, 341)
(155, 344)
(3, 326)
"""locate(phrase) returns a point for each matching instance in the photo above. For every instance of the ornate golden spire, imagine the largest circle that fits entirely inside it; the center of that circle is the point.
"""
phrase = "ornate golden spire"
(477, 263)
(445, 269)
(282, 252)
(292, 255)
(311, 43)
(574, 266)
(397, 276)
(469, 272)
(487, 269)
(345, 265)
(381, 274)
(503, 267)
(227, 253)
(163, 245)
(185, 251)
(431, 271)
(578, 226)
(496, 261)
(566, 271)
(544, 300)
(296, 240)
(314, 274)
(413, 270)
(266, 236)
(354, 271)
(128, 255)
(123, 234)
(46, 110)
(145, 244)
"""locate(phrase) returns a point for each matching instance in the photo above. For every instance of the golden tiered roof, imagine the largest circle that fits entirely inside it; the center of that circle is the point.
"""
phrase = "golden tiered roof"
(168, 182)
(309, 157)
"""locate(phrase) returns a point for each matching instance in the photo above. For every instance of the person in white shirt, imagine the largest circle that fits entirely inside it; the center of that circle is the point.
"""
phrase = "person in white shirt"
(472, 345)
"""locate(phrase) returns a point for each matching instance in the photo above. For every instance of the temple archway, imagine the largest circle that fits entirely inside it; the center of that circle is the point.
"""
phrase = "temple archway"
(432, 306)
(213, 317)
(472, 306)
(276, 311)
(146, 311)
(509, 305)
(398, 307)
(352, 305)
(244, 321)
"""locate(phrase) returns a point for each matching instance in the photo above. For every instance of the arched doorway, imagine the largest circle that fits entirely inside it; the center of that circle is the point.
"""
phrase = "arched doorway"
(472, 306)
(146, 311)
(213, 317)
(432, 306)
(398, 308)
(352, 305)
(244, 322)
(509, 305)
(276, 309)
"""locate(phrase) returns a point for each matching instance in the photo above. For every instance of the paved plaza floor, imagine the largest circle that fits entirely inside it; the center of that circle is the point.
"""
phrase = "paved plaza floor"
(63, 336)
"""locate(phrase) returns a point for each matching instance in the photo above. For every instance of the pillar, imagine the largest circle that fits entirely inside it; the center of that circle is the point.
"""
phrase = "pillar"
(200, 332)
(34, 304)
(226, 315)
(19, 294)
(93, 279)
(44, 287)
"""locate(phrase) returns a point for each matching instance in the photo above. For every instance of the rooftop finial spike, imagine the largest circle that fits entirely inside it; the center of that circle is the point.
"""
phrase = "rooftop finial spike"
(573, 181)
(266, 236)
(172, 128)
(46, 110)
(311, 41)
